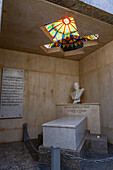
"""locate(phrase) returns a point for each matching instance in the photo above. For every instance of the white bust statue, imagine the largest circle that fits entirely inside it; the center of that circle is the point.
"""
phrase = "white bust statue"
(77, 93)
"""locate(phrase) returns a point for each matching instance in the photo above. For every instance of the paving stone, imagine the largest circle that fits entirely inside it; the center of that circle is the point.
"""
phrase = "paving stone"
(16, 156)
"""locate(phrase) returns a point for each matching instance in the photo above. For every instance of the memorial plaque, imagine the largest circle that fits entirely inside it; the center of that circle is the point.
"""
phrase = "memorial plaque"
(77, 109)
(12, 93)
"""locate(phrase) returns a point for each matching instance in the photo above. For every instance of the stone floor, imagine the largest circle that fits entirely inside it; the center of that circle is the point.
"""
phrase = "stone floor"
(19, 156)
(15, 156)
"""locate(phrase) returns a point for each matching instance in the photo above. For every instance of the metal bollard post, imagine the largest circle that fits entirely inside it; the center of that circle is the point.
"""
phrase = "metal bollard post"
(55, 158)
(25, 132)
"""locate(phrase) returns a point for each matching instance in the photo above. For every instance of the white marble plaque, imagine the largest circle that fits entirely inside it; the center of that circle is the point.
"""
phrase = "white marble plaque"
(12, 93)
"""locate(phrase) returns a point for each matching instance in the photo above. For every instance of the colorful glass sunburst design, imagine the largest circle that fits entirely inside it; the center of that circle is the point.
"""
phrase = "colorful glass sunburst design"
(64, 29)
(65, 34)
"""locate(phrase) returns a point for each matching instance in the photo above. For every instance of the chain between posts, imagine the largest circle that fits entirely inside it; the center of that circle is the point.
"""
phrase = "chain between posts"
(34, 148)
(88, 160)
(71, 156)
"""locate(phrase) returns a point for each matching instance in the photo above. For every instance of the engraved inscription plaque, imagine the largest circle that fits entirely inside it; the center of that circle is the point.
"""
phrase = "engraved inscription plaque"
(12, 93)
(77, 109)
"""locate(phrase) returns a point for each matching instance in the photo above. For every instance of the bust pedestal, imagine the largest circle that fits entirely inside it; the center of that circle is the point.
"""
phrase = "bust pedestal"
(90, 110)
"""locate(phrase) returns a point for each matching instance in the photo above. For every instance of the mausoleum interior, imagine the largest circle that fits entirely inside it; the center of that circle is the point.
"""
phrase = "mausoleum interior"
(49, 77)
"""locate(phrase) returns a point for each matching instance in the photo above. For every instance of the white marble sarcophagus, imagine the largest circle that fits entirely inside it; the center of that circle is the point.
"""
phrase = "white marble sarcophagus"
(67, 132)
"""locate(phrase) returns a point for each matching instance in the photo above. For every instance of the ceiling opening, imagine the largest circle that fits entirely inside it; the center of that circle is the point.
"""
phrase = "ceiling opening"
(66, 38)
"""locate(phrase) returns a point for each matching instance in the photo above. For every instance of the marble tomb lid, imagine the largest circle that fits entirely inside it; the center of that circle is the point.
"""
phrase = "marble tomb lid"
(65, 122)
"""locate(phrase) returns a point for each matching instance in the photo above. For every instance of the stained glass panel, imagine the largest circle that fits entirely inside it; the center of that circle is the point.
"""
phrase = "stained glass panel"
(72, 45)
(65, 34)
(58, 30)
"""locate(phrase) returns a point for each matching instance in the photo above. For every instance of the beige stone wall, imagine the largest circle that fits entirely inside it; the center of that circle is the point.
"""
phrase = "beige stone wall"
(47, 81)
(96, 76)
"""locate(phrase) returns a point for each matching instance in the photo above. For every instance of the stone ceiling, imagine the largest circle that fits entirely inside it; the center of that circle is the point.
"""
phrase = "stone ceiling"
(21, 23)
(84, 8)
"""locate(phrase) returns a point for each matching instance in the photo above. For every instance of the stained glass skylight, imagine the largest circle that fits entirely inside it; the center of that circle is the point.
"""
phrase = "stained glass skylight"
(63, 29)
(65, 35)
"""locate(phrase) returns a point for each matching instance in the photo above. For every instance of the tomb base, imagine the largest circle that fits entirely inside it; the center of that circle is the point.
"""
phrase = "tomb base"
(96, 143)
(90, 144)
(66, 161)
